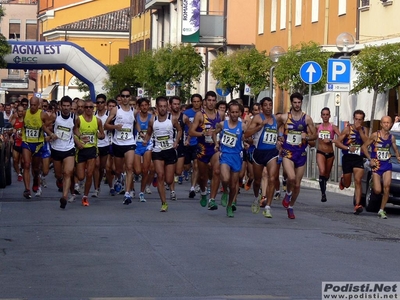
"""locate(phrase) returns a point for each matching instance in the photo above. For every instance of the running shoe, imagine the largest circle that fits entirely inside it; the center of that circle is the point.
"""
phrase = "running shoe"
(263, 201)
(141, 197)
(229, 212)
(284, 186)
(132, 193)
(155, 182)
(323, 198)
(166, 186)
(164, 207)
(186, 174)
(76, 189)
(38, 192)
(127, 200)
(203, 200)
(212, 205)
(234, 206)
(286, 201)
(382, 214)
(180, 179)
(27, 194)
(277, 196)
(85, 201)
(197, 189)
(358, 209)
(63, 203)
(147, 190)
(20, 177)
(59, 183)
(35, 188)
(192, 194)
(173, 196)
(44, 183)
(95, 194)
(341, 186)
(224, 199)
(176, 178)
(290, 213)
(247, 186)
(267, 212)
(113, 192)
(72, 198)
(117, 186)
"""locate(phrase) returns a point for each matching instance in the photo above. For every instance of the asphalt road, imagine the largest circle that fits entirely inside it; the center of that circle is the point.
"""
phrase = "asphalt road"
(112, 251)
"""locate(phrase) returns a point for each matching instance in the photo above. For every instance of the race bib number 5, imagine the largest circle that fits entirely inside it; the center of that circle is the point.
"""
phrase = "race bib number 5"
(294, 138)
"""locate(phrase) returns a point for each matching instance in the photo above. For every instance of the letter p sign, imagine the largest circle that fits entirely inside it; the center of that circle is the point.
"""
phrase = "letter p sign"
(339, 71)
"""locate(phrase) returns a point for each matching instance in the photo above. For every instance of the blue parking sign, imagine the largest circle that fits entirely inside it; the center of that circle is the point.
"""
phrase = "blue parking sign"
(339, 71)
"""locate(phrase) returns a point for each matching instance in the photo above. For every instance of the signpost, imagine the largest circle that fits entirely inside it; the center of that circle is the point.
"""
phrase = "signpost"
(310, 73)
(220, 91)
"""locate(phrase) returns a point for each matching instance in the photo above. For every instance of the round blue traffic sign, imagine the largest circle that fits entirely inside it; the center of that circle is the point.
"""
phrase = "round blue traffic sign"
(220, 91)
(311, 72)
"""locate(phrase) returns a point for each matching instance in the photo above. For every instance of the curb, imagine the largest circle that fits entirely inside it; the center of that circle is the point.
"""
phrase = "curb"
(330, 187)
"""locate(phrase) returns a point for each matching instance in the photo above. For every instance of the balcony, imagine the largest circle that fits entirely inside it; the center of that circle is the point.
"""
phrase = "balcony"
(154, 4)
(364, 5)
(211, 31)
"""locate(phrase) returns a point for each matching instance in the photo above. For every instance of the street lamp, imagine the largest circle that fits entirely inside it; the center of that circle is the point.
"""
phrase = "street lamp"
(274, 55)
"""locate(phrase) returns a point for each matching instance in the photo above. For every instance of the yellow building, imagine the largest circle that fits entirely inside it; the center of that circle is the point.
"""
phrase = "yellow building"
(92, 25)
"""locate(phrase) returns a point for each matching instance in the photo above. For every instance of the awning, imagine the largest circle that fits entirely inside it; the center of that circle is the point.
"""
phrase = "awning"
(46, 94)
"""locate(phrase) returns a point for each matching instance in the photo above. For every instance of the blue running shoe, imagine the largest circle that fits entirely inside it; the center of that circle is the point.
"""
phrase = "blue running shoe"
(117, 186)
(127, 200)
(113, 192)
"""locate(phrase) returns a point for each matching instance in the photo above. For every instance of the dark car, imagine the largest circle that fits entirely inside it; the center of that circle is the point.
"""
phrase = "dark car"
(5, 152)
(372, 202)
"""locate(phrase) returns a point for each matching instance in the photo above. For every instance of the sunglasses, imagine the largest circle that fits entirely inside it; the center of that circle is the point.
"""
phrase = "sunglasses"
(45, 106)
(91, 107)
(125, 96)
(100, 102)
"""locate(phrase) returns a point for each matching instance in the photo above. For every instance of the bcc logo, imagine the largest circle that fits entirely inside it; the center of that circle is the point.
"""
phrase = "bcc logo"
(25, 60)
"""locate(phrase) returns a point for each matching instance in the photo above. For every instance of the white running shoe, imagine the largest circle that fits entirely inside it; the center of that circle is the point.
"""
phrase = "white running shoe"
(39, 192)
(147, 190)
(95, 194)
(173, 196)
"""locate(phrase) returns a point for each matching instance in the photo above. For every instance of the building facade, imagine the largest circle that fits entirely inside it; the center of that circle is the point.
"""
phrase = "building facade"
(18, 23)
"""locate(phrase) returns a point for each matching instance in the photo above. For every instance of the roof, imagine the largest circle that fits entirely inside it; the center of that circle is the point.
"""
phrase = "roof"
(113, 21)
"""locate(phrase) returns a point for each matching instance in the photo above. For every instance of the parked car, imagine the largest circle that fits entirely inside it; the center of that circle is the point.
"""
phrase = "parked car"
(372, 202)
(5, 153)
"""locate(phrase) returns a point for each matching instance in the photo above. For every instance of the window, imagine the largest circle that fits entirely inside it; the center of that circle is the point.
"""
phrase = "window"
(13, 73)
(314, 11)
(261, 13)
(14, 29)
(273, 15)
(342, 7)
(299, 6)
(31, 30)
(283, 14)
(364, 3)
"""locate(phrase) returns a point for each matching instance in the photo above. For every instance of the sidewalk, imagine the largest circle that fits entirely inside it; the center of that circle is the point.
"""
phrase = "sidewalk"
(332, 187)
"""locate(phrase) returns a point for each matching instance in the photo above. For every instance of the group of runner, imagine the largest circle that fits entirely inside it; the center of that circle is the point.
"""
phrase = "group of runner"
(218, 142)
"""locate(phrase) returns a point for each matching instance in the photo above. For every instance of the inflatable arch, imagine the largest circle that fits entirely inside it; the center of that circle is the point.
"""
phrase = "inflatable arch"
(57, 55)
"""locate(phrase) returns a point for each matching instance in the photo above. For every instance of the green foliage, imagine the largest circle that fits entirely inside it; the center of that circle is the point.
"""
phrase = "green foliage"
(4, 46)
(378, 69)
(244, 66)
(83, 87)
(152, 69)
(288, 67)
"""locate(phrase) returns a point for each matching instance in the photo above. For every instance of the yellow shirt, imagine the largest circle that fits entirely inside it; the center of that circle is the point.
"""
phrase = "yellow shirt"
(88, 130)
(32, 131)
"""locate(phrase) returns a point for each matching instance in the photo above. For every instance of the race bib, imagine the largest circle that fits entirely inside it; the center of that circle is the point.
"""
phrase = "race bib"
(294, 138)
(270, 136)
(88, 138)
(229, 140)
(357, 151)
(383, 154)
(163, 142)
(63, 133)
(32, 135)
(139, 137)
(324, 134)
(124, 134)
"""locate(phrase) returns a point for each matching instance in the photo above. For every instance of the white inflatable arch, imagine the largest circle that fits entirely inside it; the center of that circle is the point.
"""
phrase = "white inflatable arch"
(57, 55)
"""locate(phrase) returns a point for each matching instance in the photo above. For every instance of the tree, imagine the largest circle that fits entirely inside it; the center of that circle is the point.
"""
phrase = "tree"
(288, 67)
(180, 64)
(244, 66)
(4, 46)
(378, 69)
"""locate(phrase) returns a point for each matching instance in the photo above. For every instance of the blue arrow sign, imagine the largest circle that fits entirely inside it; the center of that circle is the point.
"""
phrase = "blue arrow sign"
(311, 72)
